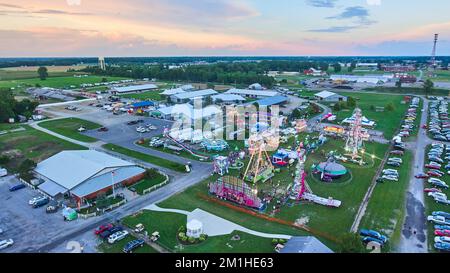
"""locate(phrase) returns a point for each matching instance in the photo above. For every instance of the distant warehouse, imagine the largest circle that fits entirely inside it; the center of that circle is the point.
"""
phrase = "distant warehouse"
(329, 97)
(83, 175)
(133, 89)
(277, 100)
(249, 93)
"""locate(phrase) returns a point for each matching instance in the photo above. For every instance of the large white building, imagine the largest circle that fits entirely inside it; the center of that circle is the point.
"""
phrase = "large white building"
(247, 93)
(85, 174)
(329, 97)
(371, 79)
(189, 96)
(134, 89)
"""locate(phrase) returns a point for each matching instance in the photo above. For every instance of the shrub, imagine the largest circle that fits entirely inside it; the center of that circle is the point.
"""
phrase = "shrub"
(274, 241)
(390, 107)
(191, 240)
(182, 229)
(181, 235)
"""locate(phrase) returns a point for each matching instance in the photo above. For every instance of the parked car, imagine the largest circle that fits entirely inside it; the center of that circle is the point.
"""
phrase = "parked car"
(105, 234)
(438, 220)
(131, 246)
(442, 246)
(41, 202)
(139, 228)
(441, 213)
(427, 190)
(422, 176)
(103, 228)
(444, 227)
(6, 243)
(103, 129)
(17, 187)
(52, 208)
(373, 234)
(390, 178)
(441, 232)
(442, 239)
(115, 237)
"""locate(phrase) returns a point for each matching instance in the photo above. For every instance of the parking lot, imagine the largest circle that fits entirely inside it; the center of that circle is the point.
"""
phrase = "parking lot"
(29, 228)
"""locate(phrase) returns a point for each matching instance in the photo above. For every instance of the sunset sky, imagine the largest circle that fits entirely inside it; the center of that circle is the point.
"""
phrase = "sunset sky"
(59, 28)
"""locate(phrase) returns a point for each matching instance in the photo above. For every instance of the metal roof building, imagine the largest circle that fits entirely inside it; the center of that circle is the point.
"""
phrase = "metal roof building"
(329, 96)
(134, 88)
(186, 96)
(83, 173)
(271, 101)
(252, 93)
(305, 244)
(228, 98)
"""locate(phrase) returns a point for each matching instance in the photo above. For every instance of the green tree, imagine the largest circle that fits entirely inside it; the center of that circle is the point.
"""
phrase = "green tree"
(390, 107)
(42, 72)
(337, 107)
(351, 102)
(25, 169)
(337, 67)
(398, 84)
(352, 67)
(351, 243)
(428, 87)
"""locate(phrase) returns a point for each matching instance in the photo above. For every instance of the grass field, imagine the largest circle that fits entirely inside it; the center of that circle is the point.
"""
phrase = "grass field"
(55, 82)
(441, 76)
(32, 144)
(364, 101)
(167, 225)
(69, 127)
(408, 90)
(147, 158)
(151, 95)
(148, 183)
(386, 208)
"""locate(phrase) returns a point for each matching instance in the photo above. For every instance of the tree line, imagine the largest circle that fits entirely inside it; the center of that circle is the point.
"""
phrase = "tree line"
(11, 108)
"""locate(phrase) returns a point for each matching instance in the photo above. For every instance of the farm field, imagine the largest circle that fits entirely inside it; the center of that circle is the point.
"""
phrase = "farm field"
(69, 127)
(31, 144)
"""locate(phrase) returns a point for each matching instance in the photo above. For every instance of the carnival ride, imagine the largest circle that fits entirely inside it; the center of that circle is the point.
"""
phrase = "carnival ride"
(355, 138)
(216, 145)
(221, 165)
(301, 190)
(260, 167)
(183, 146)
(236, 190)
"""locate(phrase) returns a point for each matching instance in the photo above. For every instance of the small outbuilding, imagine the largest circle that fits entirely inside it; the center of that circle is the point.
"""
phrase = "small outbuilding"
(305, 244)
(329, 97)
(194, 228)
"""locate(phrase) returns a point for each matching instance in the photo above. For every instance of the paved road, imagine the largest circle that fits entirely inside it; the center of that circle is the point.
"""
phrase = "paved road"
(414, 235)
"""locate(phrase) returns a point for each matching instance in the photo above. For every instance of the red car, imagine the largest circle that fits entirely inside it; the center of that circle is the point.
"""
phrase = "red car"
(103, 228)
(432, 190)
(442, 232)
(422, 176)
(434, 174)
(396, 152)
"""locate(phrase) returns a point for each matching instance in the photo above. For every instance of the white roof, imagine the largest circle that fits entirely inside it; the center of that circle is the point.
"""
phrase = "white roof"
(188, 110)
(325, 94)
(264, 93)
(71, 168)
(195, 94)
(194, 224)
(228, 97)
(135, 88)
(170, 92)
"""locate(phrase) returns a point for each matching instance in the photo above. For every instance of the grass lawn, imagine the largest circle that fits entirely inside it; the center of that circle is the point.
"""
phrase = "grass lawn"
(167, 224)
(32, 144)
(151, 95)
(386, 208)
(327, 222)
(147, 158)
(431, 205)
(7, 126)
(365, 101)
(441, 76)
(105, 247)
(148, 183)
(69, 127)
(408, 90)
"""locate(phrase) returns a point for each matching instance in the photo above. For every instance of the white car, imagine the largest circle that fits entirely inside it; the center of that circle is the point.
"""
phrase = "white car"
(442, 239)
(117, 236)
(390, 177)
(395, 159)
(35, 199)
(440, 220)
(438, 195)
(141, 129)
(6, 243)
(435, 180)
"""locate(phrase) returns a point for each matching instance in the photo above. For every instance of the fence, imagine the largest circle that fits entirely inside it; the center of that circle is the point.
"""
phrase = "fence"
(152, 188)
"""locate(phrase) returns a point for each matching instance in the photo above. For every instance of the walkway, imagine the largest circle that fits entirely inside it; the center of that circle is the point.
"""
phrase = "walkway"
(216, 226)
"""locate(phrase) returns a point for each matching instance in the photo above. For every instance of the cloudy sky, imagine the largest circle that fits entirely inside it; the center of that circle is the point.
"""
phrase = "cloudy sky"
(31, 28)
